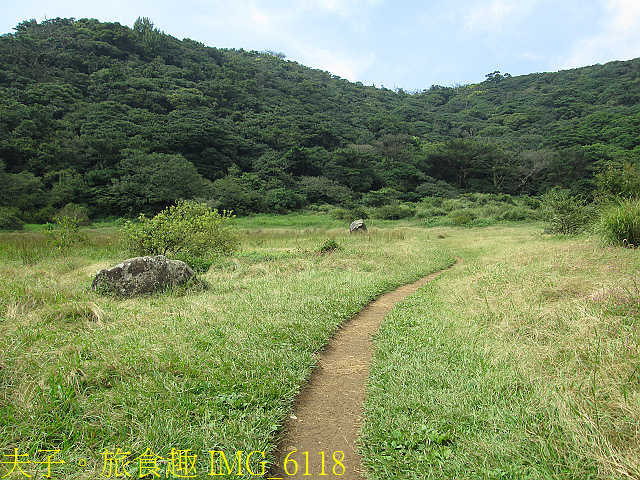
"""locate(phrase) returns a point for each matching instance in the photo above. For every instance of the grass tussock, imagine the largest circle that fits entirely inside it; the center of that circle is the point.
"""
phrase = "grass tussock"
(620, 223)
(521, 363)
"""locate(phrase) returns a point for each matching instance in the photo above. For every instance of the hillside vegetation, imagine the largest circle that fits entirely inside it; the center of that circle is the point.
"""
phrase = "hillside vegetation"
(126, 120)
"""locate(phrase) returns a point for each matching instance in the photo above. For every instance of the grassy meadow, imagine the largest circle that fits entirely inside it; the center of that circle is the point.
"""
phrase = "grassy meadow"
(521, 362)
(98, 381)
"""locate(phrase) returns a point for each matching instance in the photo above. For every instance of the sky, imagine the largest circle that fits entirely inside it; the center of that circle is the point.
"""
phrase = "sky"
(406, 44)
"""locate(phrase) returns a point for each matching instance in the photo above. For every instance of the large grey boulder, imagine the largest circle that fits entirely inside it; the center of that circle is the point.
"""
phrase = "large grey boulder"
(358, 227)
(142, 275)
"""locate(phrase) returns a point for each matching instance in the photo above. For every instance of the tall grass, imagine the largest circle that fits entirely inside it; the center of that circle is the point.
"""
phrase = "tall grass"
(188, 370)
(620, 223)
(520, 363)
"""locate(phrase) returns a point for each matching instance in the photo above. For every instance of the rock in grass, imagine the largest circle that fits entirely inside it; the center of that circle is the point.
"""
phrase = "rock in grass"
(358, 227)
(142, 275)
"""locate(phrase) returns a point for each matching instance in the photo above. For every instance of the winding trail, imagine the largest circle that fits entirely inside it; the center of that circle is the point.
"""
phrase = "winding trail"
(328, 411)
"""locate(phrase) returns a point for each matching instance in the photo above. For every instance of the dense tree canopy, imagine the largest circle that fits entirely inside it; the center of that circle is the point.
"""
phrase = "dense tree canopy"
(124, 120)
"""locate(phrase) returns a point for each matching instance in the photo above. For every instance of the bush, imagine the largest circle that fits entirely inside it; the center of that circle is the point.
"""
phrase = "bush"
(10, 219)
(430, 212)
(283, 200)
(349, 214)
(460, 217)
(186, 230)
(436, 188)
(65, 234)
(378, 198)
(329, 246)
(619, 181)
(199, 264)
(78, 212)
(620, 224)
(531, 202)
(395, 212)
(567, 214)
(517, 214)
(341, 214)
(42, 215)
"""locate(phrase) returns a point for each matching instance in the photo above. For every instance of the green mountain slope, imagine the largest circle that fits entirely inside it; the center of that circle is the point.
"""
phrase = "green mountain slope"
(126, 120)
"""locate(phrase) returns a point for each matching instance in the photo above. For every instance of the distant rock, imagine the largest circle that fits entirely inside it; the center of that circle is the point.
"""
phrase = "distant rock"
(358, 227)
(142, 275)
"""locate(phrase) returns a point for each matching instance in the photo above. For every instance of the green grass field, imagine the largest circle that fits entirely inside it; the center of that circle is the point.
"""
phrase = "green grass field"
(522, 362)
(198, 370)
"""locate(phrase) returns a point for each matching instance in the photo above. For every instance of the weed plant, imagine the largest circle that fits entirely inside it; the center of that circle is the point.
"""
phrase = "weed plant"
(190, 370)
(522, 362)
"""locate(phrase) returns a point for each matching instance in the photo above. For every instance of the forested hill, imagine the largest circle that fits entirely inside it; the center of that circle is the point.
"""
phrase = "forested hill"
(125, 120)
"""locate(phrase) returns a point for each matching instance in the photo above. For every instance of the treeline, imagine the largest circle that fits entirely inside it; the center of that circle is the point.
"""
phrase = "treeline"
(126, 120)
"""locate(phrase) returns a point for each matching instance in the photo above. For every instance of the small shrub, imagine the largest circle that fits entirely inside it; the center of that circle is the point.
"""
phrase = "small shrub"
(431, 212)
(516, 214)
(460, 202)
(620, 224)
(340, 214)
(565, 213)
(395, 212)
(436, 188)
(431, 202)
(77, 212)
(329, 246)
(320, 208)
(187, 229)
(199, 264)
(460, 217)
(65, 234)
(491, 210)
(358, 212)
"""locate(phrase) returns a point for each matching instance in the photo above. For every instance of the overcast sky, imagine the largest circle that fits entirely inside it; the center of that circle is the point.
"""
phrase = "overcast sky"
(396, 43)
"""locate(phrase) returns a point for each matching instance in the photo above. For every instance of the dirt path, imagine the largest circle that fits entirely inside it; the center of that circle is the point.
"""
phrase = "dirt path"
(327, 414)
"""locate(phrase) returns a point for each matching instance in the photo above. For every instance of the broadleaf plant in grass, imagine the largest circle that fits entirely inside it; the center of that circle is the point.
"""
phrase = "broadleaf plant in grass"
(188, 231)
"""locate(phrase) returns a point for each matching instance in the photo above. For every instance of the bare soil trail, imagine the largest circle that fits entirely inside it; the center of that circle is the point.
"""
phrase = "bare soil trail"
(328, 411)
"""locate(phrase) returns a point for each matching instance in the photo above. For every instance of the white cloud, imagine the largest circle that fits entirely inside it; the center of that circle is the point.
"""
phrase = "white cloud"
(344, 7)
(626, 14)
(532, 56)
(260, 18)
(340, 64)
(489, 16)
(497, 15)
(619, 38)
